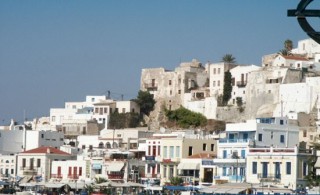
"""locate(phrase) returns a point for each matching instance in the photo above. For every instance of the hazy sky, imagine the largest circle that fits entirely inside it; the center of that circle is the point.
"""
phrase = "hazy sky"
(62, 50)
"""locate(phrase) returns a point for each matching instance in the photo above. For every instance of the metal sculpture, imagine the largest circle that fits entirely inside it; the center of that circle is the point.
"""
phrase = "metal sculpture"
(301, 13)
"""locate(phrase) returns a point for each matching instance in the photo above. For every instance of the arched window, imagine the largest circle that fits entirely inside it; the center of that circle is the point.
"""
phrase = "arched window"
(100, 145)
(114, 145)
(108, 145)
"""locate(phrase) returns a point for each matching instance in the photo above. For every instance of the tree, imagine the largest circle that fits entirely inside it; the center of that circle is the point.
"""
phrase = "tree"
(227, 88)
(185, 118)
(176, 181)
(288, 45)
(145, 101)
(228, 58)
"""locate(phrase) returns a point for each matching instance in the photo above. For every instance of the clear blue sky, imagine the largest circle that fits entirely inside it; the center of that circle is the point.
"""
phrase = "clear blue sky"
(56, 51)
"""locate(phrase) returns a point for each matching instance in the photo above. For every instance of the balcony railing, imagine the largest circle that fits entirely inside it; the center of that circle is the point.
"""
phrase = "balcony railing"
(269, 177)
(31, 168)
(73, 176)
(115, 176)
(241, 83)
(151, 86)
(237, 178)
(59, 176)
(234, 140)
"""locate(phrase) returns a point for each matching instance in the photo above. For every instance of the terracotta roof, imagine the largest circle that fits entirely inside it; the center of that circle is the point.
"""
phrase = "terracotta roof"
(44, 150)
(203, 155)
(295, 58)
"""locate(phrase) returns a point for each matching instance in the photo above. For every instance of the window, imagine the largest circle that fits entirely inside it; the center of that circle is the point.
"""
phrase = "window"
(42, 136)
(224, 154)
(165, 171)
(23, 162)
(224, 171)
(159, 150)
(164, 151)
(204, 147)
(179, 91)
(271, 135)
(214, 83)
(38, 162)
(170, 92)
(218, 70)
(171, 171)
(105, 110)
(264, 169)
(123, 110)
(288, 168)
(214, 71)
(80, 171)
(31, 163)
(281, 138)
(53, 119)
(277, 170)
(304, 133)
(170, 82)
(304, 168)
(171, 152)
(212, 147)
(12, 171)
(177, 151)
(254, 167)
(190, 151)
(243, 153)
(218, 83)
(281, 122)
(260, 137)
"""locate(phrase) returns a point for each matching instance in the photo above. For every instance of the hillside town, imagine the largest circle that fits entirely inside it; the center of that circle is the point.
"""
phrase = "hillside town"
(262, 136)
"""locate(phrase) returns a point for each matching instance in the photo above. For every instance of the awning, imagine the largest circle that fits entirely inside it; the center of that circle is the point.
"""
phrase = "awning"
(288, 191)
(317, 165)
(115, 167)
(54, 185)
(96, 166)
(236, 190)
(221, 190)
(189, 166)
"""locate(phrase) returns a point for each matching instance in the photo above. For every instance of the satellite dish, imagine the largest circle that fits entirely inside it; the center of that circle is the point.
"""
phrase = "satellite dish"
(162, 130)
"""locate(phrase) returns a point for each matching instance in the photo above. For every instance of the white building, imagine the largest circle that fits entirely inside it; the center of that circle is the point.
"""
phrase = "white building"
(14, 141)
(70, 170)
(232, 151)
(283, 167)
(216, 74)
(7, 166)
(239, 82)
(276, 132)
(96, 108)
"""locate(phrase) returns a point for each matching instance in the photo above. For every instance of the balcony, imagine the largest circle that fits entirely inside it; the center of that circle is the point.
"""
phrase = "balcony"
(57, 176)
(269, 177)
(241, 83)
(230, 160)
(115, 176)
(236, 178)
(234, 140)
(29, 170)
(73, 176)
(151, 86)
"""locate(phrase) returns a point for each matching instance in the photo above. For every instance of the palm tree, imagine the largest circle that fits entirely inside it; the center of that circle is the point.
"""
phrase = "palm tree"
(283, 52)
(228, 58)
(288, 45)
